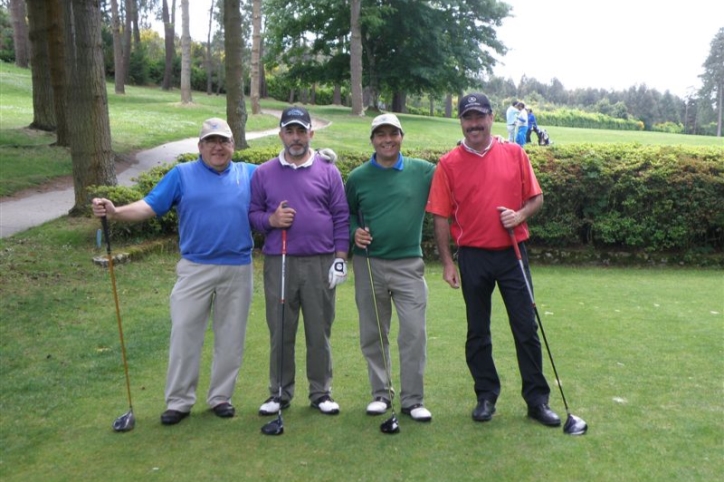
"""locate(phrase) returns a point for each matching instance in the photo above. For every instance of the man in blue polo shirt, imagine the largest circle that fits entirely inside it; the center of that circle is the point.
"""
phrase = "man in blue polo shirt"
(211, 196)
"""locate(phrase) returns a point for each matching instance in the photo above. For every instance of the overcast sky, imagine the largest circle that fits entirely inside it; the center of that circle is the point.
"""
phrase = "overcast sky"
(611, 44)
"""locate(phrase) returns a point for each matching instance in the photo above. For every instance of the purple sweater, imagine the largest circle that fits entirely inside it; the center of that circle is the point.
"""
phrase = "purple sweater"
(321, 223)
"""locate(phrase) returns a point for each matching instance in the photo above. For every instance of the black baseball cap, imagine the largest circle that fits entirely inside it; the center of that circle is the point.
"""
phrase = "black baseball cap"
(475, 101)
(296, 115)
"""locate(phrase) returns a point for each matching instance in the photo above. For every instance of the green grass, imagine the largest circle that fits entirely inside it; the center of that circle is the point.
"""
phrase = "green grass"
(146, 117)
(639, 352)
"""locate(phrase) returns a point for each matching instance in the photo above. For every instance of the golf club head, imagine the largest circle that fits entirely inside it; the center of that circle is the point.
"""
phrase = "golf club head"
(125, 422)
(275, 427)
(575, 425)
(390, 426)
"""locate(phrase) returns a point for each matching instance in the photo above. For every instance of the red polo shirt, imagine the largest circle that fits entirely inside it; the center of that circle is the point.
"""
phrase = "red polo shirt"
(469, 187)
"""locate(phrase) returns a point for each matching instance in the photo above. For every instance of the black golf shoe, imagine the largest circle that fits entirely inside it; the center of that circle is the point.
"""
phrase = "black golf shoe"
(172, 417)
(484, 411)
(543, 414)
(224, 410)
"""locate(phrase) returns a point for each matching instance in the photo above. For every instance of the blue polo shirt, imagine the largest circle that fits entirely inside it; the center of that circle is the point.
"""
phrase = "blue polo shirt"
(213, 210)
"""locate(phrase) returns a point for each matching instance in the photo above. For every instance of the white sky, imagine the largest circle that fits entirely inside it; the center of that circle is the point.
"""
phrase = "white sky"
(607, 44)
(610, 44)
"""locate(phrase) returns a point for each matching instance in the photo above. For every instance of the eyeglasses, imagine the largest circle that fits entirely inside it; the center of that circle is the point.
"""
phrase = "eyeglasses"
(224, 141)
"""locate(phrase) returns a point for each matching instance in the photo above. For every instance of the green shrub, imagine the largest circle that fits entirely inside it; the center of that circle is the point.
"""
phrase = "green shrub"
(612, 196)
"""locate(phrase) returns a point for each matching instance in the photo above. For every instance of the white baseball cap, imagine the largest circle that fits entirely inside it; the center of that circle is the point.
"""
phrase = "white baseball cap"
(386, 120)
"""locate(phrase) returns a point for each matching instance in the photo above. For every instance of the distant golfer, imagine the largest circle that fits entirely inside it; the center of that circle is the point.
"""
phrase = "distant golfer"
(485, 187)
(391, 191)
(214, 276)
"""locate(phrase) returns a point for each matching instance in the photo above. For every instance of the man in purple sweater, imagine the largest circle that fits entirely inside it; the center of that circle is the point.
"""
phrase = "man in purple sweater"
(302, 193)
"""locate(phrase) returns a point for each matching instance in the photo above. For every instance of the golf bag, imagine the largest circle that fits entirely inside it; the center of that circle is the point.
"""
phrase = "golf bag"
(543, 138)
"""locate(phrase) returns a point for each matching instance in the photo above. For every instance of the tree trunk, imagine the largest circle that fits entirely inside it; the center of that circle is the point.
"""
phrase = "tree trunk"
(337, 94)
(127, 30)
(119, 74)
(208, 49)
(255, 56)
(169, 37)
(356, 60)
(719, 104)
(398, 102)
(43, 111)
(56, 49)
(263, 94)
(185, 54)
(448, 106)
(236, 114)
(21, 42)
(89, 127)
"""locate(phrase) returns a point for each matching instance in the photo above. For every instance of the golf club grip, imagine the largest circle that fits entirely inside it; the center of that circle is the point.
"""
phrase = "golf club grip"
(514, 242)
(361, 219)
(106, 233)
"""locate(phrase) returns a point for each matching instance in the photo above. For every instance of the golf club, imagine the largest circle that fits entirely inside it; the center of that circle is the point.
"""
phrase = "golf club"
(127, 421)
(574, 425)
(391, 425)
(276, 427)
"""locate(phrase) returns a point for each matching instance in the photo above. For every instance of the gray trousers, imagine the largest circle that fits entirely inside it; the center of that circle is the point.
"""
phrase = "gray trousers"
(306, 292)
(203, 290)
(400, 281)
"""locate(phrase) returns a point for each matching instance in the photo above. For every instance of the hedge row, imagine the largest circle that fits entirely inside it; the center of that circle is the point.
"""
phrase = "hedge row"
(618, 196)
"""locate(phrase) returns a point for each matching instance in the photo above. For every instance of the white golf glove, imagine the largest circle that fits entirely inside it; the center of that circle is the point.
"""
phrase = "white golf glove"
(337, 273)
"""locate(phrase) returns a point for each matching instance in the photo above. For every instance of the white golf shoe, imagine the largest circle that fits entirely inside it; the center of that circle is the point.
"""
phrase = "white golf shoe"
(326, 405)
(378, 406)
(418, 413)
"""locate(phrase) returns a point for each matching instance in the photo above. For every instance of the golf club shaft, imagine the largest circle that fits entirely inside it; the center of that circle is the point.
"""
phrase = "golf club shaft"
(388, 371)
(514, 242)
(282, 301)
(106, 232)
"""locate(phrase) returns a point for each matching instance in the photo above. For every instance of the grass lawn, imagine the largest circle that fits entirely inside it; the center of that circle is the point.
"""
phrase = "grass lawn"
(639, 352)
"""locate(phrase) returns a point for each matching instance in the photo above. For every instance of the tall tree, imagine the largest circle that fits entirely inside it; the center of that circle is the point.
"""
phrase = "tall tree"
(89, 126)
(208, 48)
(236, 114)
(56, 52)
(713, 77)
(127, 36)
(21, 43)
(185, 54)
(458, 41)
(169, 29)
(43, 110)
(119, 64)
(355, 57)
(255, 86)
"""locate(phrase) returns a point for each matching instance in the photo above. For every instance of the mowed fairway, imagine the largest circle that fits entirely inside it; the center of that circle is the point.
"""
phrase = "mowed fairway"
(639, 352)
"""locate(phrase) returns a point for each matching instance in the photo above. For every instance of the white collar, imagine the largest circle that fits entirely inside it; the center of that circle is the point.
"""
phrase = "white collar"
(284, 161)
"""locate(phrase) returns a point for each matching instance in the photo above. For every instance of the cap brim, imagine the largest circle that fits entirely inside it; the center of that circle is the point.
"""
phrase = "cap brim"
(298, 122)
(482, 110)
(387, 124)
(218, 134)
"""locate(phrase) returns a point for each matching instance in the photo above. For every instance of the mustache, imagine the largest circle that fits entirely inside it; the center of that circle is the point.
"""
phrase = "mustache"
(475, 128)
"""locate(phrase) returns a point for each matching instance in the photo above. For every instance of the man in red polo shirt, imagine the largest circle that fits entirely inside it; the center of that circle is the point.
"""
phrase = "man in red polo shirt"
(480, 190)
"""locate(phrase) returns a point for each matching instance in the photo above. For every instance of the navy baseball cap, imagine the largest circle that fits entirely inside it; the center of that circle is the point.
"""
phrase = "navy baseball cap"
(296, 115)
(475, 101)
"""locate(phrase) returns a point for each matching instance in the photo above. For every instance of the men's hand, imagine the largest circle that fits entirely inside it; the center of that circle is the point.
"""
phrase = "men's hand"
(337, 273)
(450, 275)
(328, 155)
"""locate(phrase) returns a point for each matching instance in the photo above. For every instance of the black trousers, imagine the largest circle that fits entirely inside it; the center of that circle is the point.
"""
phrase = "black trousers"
(480, 271)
